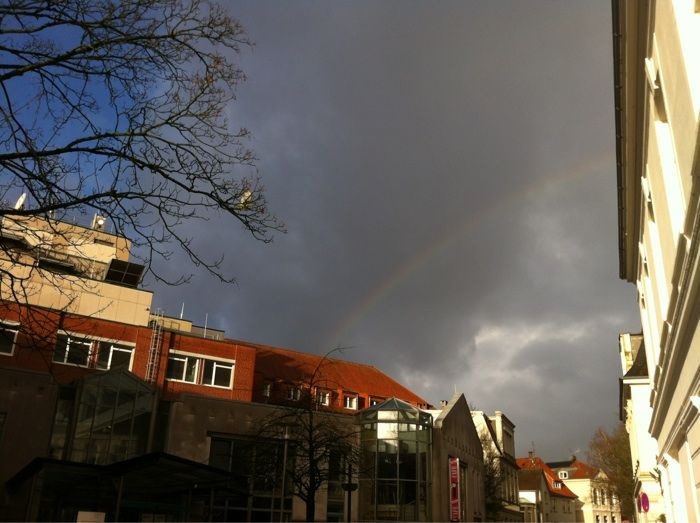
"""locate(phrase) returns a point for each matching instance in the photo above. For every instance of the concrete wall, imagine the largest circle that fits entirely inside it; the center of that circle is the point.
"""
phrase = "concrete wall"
(454, 435)
(27, 403)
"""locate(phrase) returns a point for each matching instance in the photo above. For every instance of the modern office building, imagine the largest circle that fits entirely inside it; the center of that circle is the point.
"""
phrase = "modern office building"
(656, 46)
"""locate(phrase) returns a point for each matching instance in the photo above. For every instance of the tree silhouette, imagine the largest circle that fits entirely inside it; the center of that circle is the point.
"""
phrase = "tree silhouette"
(120, 109)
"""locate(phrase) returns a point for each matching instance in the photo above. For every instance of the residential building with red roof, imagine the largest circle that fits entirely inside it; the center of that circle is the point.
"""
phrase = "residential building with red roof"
(282, 375)
(598, 504)
(558, 502)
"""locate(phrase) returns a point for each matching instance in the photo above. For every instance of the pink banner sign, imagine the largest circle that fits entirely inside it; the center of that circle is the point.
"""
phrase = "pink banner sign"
(454, 489)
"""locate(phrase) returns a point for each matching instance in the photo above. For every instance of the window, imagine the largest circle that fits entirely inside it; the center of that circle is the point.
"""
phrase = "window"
(350, 402)
(182, 368)
(72, 350)
(294, 394)
(563, 474)
(192, 369)
(267, 390)
(111, 355)
(8, 337)
(597, 518)
(557, 484)
(605, 519)
(323, 398)
(374, 401)
(217, 373)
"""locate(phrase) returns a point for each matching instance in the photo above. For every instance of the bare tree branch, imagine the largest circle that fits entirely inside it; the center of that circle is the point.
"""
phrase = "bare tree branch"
(119, 109)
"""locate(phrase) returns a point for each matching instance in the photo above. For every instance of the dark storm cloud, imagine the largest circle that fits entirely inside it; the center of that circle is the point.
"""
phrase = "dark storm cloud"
(446, 172)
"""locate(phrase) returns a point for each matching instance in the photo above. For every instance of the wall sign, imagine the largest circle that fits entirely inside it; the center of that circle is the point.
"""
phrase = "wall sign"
(454, 489)
(644, 502)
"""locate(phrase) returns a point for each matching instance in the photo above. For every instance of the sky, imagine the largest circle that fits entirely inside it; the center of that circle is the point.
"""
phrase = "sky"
(446, 174)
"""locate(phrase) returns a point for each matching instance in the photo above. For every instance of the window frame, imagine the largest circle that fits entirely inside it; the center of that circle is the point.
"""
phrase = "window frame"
(267, 389)
(217, 364)
(183, 358)
(294, 393)
(12, 326)
(201, 361)
(77, 339)
(323, 397)
(353, 401)
(113, 346)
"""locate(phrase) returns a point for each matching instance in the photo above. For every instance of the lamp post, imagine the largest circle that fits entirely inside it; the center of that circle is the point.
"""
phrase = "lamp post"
(284, 470)
(349, 487)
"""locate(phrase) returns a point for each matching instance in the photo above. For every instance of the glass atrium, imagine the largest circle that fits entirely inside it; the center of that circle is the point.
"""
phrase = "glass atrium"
(396, 462)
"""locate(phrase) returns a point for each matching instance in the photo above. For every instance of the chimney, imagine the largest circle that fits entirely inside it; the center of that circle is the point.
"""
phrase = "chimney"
(530, 454)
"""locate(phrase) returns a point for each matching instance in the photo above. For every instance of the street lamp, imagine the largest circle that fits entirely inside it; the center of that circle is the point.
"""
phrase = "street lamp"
(286, 438)
(349, 487)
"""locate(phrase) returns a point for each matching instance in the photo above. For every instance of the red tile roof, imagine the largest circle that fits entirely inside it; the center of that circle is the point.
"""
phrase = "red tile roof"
(581, 469)
(537, 463)
(277, 364)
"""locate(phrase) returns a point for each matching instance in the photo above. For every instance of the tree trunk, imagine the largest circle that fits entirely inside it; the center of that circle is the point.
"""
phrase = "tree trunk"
(311, 508)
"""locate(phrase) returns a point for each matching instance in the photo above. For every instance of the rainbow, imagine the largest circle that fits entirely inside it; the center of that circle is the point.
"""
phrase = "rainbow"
(597, 166)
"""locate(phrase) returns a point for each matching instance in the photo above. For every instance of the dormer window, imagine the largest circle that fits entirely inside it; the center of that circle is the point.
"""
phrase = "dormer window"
(557, 484)
(563, 474)
(350, 401)
(267, 390)
(323, 398)
(294, 394)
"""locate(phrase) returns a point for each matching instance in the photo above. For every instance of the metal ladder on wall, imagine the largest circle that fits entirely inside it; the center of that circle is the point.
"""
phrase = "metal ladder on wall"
(154, 350)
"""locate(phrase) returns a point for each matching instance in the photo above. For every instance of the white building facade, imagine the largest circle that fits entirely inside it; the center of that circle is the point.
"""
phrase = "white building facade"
(657, 102)
(635, 412)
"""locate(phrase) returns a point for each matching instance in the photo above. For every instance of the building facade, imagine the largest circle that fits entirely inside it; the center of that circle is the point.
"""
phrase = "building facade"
(656, 45)
(548, 498)
(497, 435)
(596, 502)
(635, 412)
(109, 409)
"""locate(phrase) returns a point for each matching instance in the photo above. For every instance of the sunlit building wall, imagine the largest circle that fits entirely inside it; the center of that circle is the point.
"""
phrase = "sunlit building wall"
(657, 100)
(635, 412)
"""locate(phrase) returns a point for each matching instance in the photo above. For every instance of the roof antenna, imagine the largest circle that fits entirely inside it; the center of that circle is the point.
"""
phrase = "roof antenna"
(182, 310)
(455, 386)
(206, 318)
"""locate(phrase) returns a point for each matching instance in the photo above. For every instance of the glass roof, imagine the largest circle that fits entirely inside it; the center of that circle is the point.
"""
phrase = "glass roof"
(395, 410)
(393, 404)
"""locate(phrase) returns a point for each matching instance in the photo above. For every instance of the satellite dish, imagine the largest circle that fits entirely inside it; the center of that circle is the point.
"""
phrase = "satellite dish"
(20, 201)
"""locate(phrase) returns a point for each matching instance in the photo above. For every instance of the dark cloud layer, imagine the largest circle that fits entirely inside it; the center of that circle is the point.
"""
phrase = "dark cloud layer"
(447, 175)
